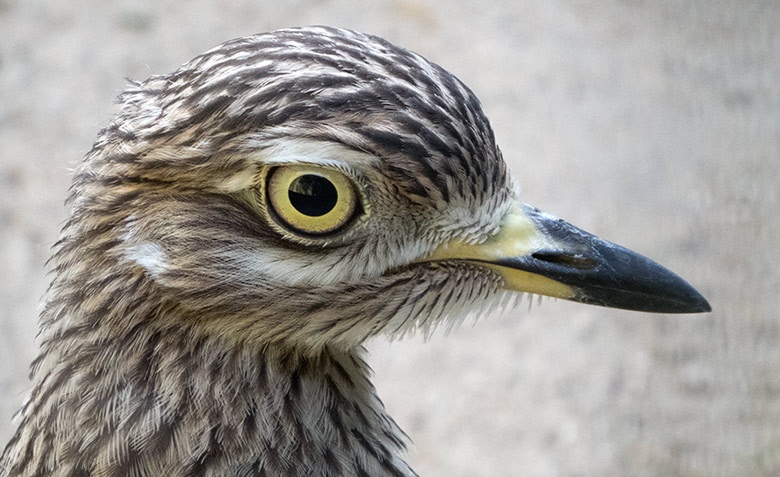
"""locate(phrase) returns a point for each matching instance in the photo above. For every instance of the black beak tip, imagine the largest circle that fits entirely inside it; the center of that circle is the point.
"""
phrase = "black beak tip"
(683, 299)
(697, 303)
(666, 293)
(628, 280)
(646, 285)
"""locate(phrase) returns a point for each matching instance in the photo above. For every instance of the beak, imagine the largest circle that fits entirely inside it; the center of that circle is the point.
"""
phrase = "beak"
(537, 253)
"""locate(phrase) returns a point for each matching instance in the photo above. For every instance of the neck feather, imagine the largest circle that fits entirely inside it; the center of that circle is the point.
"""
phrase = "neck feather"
(161, 402)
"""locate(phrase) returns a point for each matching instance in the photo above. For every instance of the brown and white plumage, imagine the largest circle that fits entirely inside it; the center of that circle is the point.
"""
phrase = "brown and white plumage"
(187, 331)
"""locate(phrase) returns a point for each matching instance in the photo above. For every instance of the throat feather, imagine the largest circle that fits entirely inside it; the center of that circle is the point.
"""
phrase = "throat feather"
(170, 403)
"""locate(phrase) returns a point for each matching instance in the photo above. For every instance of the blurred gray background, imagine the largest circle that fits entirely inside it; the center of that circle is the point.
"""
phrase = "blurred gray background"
(655, 124)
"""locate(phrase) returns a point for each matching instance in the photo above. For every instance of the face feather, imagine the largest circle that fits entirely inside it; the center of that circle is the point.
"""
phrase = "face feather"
(172, 194)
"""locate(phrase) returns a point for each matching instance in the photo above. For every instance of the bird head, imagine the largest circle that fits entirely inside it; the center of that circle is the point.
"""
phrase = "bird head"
(318, 186)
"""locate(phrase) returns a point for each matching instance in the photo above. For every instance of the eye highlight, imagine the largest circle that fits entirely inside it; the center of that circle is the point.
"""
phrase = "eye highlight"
(311, 200)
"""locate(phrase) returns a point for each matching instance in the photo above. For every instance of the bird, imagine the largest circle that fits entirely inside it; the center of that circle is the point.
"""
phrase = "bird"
(244, 224)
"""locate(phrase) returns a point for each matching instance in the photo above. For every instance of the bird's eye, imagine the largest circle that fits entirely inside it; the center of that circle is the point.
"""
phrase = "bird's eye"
(311, 200)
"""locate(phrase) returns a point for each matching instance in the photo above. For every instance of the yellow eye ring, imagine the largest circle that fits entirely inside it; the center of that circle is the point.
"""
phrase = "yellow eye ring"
(311, 200)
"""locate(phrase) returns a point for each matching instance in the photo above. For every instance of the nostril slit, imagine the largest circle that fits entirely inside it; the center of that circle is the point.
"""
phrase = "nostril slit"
(571, 260)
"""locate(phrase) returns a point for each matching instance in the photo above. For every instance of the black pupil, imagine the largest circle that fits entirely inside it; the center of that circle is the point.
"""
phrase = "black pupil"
(313, 195)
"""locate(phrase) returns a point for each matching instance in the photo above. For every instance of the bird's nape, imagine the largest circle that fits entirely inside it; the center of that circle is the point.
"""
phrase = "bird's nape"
(245, 223)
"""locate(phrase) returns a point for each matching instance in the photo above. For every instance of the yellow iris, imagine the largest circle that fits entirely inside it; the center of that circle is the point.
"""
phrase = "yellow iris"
(311, 200)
